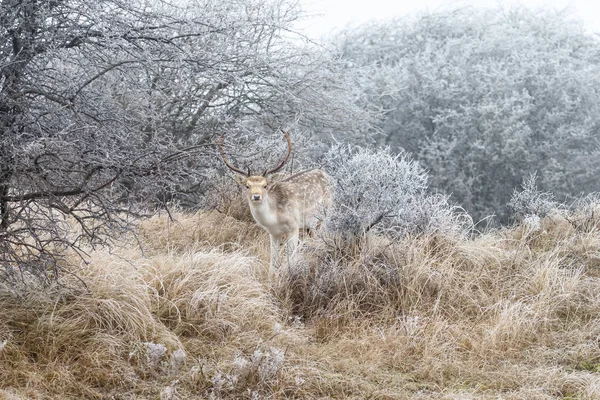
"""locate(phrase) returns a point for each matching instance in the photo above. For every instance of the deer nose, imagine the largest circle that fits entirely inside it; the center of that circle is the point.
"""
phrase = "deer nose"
(256, 197)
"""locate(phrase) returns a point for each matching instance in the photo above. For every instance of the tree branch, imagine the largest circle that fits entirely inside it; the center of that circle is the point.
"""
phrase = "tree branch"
(62, 193)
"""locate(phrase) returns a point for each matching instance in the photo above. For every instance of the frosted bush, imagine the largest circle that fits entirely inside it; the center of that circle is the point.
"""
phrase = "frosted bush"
(532, 222)
(266, 363)
(531, 201)
(170, 392)
(584, 213)
(269, 362)
(371, 188)
(255, 372)
(375, 190)
(153, 356)
(587, 204)
(433, 213)
(412, 324)
(222, 383)
(218, 191)
(296, 322)
(241, 363)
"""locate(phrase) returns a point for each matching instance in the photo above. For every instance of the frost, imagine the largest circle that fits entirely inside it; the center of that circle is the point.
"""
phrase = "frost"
(170, 392)
(532, 222)
(268, 362)
(530, 201)
(255, 395)
(154, 352)
(296, 322)
(223, 382)
(240, 362)
(433, 213)
(178, 358)
(377, 191)
(371, 188)
(412, 324)
(256, 371)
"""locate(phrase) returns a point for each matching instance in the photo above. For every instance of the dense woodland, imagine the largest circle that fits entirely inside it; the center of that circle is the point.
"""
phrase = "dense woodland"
(459, 258)
(483, 98)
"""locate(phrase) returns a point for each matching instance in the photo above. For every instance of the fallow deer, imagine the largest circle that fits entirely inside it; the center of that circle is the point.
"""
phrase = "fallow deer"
(284, 207)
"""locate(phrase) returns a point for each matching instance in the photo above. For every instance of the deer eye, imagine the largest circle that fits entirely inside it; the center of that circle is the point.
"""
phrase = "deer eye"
(265, 186)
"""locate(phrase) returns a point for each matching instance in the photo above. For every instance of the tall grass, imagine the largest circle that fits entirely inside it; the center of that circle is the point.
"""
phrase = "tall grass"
(191, 313)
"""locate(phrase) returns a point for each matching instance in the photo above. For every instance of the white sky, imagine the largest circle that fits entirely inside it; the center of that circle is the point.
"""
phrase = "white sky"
(330, 15)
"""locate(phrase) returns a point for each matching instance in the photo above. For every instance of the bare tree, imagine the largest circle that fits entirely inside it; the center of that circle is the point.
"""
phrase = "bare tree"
(101, 102)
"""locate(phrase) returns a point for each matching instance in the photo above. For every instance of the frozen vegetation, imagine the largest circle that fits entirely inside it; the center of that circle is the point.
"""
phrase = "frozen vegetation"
(460, 258)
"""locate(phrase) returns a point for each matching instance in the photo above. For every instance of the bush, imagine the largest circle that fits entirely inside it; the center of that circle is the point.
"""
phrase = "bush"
(585, 216)
(530, 202)
(485, 96)
(370, 188)
(433, 213)
(375, 190)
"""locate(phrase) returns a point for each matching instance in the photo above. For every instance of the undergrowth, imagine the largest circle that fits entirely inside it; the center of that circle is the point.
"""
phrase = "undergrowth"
(191, 313)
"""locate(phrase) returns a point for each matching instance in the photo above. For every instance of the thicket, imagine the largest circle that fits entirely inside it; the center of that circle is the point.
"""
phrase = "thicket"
(109, 110)
(483, 98)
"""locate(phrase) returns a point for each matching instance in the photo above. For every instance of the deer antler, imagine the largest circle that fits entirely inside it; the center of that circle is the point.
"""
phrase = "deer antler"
(287, 156)
(239, 171)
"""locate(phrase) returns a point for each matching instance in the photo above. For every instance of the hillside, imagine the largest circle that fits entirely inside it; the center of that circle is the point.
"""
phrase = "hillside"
(187, 311)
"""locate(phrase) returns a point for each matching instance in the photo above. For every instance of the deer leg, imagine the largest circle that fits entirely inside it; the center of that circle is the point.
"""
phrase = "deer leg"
(293, 240)
(274, 252)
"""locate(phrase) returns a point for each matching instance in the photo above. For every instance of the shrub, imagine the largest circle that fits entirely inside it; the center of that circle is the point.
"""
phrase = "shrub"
(370, 188)
(530, 202)
(375, 190)
(433, 214)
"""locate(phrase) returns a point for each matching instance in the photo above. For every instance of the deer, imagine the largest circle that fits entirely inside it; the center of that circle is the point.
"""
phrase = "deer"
(283, 207)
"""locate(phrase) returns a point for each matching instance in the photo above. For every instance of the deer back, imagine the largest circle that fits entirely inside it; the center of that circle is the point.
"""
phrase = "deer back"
(302, 195)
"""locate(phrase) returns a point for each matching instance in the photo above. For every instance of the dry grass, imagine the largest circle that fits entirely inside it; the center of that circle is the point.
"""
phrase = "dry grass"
(182, 233)
(512, 314)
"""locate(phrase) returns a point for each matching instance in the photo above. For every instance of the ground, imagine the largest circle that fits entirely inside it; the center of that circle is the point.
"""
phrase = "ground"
(190, 312)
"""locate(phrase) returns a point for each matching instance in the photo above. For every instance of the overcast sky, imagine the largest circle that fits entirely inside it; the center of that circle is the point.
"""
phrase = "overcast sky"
(330, 15)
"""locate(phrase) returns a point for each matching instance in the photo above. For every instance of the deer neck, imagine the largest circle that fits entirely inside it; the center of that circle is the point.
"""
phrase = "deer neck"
(264, 212)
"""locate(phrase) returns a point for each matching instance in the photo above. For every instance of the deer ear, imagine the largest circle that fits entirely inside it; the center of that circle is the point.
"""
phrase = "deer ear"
(240, 179)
